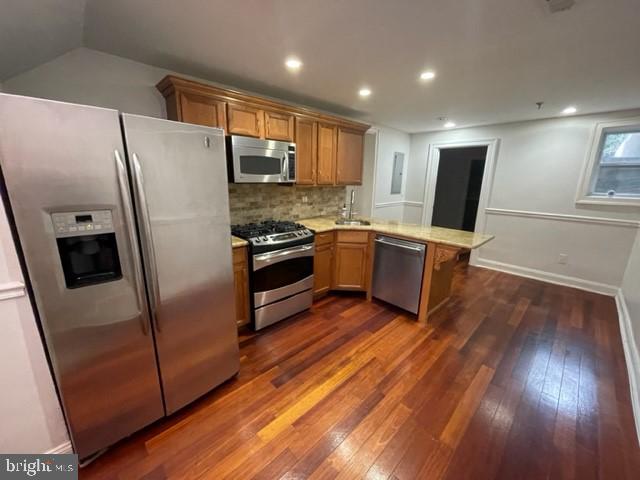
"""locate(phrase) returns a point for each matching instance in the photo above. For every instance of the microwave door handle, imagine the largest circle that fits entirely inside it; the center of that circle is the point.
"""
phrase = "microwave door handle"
(127, 208)
(285, 169)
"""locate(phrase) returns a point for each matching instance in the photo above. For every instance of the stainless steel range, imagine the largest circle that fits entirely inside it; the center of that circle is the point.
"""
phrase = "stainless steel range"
(281, 269)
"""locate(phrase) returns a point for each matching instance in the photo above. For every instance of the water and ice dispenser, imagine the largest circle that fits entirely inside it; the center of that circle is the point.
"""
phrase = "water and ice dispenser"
(87, 247)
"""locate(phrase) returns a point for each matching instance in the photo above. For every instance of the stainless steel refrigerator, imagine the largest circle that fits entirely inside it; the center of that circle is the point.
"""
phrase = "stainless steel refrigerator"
(123, 223)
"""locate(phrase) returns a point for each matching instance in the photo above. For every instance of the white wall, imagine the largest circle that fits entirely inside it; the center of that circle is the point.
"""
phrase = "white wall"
(537, 171)
(94, 78)
(364, 193)
(30, 413)
(387, 205)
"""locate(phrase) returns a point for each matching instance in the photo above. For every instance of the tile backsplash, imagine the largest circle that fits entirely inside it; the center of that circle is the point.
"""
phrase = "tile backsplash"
(256, 202)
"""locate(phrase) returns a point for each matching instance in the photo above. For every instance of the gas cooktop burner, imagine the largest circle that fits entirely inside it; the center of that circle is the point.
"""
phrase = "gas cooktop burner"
(273, 234)
(268, 227)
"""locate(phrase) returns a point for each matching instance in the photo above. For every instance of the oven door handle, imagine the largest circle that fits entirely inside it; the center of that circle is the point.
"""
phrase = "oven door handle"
(264, 259)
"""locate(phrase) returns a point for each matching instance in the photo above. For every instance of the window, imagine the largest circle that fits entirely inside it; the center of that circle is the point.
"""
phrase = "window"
(612, 174)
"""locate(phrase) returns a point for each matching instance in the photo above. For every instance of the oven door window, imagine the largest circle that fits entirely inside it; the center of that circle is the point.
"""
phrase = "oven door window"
(281, 274)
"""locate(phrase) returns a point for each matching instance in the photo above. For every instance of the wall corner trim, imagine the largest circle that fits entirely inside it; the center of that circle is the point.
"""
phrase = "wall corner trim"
(631, 356)
(60, 449)
(11, 290)
(567, 281)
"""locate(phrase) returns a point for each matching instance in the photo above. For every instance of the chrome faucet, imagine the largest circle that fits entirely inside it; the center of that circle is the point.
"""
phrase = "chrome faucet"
(348, 218)
(353, 200)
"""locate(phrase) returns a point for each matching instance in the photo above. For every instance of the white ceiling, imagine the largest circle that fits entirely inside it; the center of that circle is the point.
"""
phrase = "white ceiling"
(494, 58)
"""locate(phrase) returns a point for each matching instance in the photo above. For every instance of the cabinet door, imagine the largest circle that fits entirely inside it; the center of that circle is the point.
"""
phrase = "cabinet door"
(241, 285)
(202, 110)
(245, 120)
(327, 145)
(350, 266)
(349, 157)
(306, 151)
(322, 269)
(278, 126)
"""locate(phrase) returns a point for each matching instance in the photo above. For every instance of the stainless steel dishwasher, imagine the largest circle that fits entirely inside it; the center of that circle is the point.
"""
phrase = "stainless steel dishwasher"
(397, 272)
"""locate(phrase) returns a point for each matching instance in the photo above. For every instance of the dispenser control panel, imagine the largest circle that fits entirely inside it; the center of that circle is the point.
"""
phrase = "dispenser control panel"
(74, 224)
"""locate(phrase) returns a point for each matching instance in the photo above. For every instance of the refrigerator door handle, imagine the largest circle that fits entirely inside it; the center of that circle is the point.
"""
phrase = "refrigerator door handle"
(123, 186)
(147, 239)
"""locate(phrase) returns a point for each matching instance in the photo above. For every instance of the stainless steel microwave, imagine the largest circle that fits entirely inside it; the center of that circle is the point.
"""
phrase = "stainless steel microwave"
(253, 160)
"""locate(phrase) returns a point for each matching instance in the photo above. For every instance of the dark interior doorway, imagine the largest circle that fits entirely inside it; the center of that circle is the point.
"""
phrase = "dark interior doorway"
(458, 185)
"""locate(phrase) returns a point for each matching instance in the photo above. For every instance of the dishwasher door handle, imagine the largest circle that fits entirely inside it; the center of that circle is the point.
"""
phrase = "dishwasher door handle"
(399, 245)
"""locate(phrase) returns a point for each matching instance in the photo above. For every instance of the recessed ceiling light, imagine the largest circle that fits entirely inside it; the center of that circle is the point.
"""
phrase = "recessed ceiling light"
(428, 75)
(364, 92)
(569, 110)
(293, 63)
(449, 124)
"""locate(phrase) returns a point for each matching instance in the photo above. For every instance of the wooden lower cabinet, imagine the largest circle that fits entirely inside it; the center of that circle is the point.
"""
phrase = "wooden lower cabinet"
(241, 285)
(351, 267)
(351, 260)
(323, 264)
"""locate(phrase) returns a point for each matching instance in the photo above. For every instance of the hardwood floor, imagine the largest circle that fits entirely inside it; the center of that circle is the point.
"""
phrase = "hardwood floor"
(513, 379)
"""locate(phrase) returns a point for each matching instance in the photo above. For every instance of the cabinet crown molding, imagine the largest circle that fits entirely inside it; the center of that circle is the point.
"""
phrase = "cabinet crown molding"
(171, 83)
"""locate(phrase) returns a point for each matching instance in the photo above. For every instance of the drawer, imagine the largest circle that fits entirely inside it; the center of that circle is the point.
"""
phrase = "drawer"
(352, 236)
(239, 255)
(324, 238)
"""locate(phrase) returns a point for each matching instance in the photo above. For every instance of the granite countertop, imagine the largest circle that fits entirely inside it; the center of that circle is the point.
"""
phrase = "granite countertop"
(238, 242)
(444, 236)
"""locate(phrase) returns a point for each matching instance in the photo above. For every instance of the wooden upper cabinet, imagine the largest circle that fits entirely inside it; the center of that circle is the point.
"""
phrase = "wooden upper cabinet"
(349, 157)
(202, 110)
(278, 126)
(327, 146)
(306, 151)
(245, 119)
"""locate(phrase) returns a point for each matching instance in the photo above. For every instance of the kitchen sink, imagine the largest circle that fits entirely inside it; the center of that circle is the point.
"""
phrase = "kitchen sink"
(353, 221)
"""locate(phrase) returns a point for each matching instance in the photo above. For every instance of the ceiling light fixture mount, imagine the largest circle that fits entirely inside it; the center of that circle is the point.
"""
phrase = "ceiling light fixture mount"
(364, 92)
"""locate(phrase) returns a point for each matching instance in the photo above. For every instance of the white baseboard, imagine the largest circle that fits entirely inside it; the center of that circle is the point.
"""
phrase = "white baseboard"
(549, 277)
(631, 356)
(61, 449)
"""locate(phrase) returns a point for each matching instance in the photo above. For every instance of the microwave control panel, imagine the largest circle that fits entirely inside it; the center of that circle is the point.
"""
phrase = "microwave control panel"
(74, 224)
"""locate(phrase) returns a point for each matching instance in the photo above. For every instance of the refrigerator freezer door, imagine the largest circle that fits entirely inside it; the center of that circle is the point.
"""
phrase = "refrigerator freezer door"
(180, 185)
(68, 189)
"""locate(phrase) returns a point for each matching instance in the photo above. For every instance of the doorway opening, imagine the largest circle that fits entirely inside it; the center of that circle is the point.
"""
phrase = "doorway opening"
(458, 187)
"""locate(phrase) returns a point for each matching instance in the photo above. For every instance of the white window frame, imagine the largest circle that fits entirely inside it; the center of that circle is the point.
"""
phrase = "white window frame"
(584, 195)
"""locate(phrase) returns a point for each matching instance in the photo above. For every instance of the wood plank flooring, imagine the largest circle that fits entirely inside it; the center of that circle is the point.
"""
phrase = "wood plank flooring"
(513, 379)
